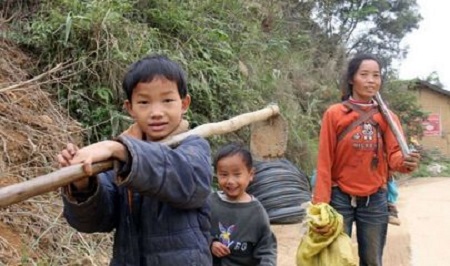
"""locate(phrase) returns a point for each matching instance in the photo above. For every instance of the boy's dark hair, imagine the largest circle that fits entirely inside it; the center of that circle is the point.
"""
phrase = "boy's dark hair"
(147, 68)
(352, 68)
(233, 149)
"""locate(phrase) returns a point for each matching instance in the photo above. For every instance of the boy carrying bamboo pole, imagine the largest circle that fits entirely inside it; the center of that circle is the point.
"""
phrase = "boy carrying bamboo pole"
(156, 197)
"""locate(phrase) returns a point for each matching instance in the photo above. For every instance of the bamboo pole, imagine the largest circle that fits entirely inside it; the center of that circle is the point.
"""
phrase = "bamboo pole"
(42, 184)
(395, 129)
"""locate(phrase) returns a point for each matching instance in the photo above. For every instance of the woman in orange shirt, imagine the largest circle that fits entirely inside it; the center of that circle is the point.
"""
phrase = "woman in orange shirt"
(356, 149)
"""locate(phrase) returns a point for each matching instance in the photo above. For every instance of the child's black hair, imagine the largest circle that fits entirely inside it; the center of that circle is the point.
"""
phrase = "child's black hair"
(353, 66)
(149, 67)
(233, 149)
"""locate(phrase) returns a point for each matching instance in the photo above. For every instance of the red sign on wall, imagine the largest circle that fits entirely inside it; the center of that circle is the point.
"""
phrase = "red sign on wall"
(432, 126)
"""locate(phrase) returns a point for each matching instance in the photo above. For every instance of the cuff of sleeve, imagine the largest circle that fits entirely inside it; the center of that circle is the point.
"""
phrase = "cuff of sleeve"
(79, 196)
(317, 200)
(211, 241)
(123, 169)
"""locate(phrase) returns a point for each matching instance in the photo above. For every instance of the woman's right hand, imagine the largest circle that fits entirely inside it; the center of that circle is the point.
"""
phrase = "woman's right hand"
(219, 250)
(411, 162)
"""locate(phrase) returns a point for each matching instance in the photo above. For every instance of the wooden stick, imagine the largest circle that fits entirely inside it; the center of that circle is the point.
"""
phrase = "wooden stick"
(395, 129)
(38, 77)
(42, 184)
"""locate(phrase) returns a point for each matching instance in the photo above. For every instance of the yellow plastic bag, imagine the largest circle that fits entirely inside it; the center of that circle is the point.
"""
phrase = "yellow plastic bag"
(332, 248)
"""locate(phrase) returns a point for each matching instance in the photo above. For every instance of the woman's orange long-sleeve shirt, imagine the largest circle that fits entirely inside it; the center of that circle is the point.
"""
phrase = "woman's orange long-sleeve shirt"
(347, 163)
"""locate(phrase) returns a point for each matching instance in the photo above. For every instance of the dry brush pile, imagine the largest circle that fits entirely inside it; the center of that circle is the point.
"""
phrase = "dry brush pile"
(33, 128)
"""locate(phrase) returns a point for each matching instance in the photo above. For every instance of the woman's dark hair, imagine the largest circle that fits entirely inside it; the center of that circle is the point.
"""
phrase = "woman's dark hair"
(353, 66)
(233, 149)
(149, 67)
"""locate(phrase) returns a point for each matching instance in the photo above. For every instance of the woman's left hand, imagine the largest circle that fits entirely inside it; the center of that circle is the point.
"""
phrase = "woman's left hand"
(411, 162)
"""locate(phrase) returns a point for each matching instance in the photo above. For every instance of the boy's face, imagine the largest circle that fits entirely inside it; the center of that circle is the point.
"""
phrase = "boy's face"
(234, 176)
(157, 107)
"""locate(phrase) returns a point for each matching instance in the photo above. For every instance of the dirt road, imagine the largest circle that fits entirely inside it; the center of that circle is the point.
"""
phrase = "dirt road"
(421, 240)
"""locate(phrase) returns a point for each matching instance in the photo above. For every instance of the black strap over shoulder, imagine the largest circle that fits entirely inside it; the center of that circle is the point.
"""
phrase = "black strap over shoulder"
(363, 116)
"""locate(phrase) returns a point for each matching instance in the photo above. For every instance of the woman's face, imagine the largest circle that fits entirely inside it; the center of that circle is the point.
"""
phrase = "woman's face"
(366, 81)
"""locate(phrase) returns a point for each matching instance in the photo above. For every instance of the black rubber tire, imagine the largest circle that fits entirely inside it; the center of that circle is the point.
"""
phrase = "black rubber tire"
(281, 188)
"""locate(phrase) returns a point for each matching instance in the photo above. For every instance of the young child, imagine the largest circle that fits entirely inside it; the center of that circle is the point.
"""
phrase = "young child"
(392, 194)
(392, 188)
(240, 225)
(156, 198)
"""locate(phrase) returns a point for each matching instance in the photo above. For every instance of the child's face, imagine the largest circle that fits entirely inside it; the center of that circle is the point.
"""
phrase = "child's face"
(157, 107)
(233, 176)
(366, 81)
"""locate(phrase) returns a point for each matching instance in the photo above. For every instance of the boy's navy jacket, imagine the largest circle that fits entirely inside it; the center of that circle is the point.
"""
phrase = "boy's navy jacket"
(167, 220)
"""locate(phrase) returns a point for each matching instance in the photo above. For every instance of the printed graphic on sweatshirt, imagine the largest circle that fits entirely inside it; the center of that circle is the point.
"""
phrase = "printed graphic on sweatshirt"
(236, 246)
(225, 234)
(367, 131)
(364, 137)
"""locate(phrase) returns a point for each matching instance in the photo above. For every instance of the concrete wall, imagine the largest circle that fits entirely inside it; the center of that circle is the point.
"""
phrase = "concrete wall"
(436, 103)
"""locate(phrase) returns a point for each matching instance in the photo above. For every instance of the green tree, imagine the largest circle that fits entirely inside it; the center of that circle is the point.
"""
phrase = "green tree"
(375, 26)
(405, 105)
